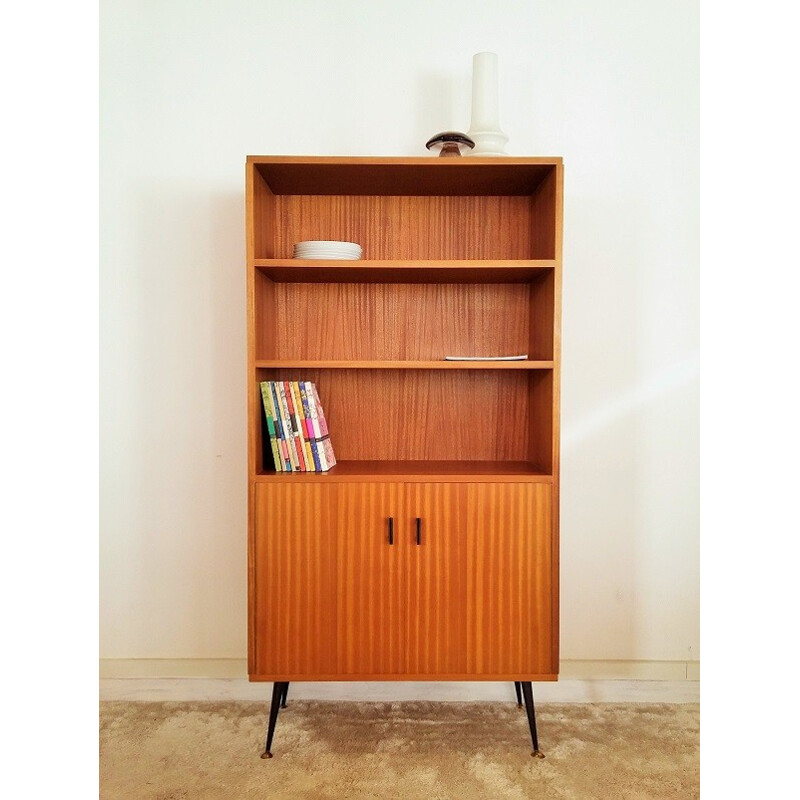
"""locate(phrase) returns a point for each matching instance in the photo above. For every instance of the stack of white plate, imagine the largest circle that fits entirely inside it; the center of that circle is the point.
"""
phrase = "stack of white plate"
(323, 249)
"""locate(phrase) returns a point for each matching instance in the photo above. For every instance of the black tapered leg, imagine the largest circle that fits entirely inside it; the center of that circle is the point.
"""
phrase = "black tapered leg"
(278, 689)
(527, 692)
(518, 690)
(285, 692)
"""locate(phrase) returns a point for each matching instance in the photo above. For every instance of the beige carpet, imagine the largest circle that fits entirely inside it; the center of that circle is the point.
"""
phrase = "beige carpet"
(394, 751)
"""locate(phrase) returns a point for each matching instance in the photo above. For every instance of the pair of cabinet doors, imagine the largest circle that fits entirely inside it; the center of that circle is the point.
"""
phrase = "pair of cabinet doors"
(382, 580)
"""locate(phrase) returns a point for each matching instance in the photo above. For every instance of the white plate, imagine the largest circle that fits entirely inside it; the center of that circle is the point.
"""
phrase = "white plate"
(322, 249)
(314, 254)
(329, 258)
(327, 255)
(325, 250)
(326, 243)
(327, 247)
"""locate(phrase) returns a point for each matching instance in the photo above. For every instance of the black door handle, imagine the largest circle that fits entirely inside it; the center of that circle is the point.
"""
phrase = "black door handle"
(391, 530)
(419, 531)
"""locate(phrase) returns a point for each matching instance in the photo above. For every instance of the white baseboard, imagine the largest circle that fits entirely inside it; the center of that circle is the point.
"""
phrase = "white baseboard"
(236, 668)
(229, 668)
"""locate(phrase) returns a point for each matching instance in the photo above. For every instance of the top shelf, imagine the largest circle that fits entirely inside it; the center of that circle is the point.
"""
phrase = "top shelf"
(421, 176)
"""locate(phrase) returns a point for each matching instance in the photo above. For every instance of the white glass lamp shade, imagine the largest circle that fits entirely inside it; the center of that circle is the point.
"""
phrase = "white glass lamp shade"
(485, 125)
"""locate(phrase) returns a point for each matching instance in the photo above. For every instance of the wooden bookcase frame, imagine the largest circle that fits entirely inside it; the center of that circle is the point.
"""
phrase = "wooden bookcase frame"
(461, 257)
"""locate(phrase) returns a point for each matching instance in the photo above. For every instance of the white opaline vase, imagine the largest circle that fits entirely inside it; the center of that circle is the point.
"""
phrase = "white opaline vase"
(485, 126)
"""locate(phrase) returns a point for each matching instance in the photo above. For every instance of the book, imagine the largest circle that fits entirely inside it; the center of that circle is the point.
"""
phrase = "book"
(269, 413)
(280, 428)
(315, 430)
(295, 422)
(319, 429)
(286, 424)
(294, 386)
(311, 395)
(309, 427)
(296, 427)
(323, 428)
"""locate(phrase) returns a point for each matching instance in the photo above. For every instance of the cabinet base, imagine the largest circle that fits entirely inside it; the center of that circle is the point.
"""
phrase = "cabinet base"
(280, 690)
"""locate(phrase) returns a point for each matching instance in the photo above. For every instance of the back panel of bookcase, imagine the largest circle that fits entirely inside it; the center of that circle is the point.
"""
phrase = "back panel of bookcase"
(380, 321)
(408, 212)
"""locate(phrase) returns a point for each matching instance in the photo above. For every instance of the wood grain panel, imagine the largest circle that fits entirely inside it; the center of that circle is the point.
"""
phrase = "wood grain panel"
(266, 319)
(423, 271)
(261, 218)
(436, 621)
(294, 580)
(509, 581)
(426, 175)
(555, 467)
(415, 471)
(403, 227)
(422, 415)
(545, 223)
(378, 321)
(371, 616)
(541, 320)
(541, 447)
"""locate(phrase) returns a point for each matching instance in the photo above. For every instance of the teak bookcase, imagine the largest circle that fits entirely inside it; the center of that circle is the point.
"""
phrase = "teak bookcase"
(430, 551)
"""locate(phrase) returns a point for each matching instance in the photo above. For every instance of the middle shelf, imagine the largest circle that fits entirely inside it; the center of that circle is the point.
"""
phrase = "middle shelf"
(403, 324)
(403, 271)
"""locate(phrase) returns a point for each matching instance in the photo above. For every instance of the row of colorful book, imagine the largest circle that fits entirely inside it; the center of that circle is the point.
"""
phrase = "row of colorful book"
(298, 432)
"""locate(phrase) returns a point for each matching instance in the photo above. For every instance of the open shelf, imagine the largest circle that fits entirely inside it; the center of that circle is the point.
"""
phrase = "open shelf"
(407, 209)
(428, 471)
(363, 324)
(387, 416)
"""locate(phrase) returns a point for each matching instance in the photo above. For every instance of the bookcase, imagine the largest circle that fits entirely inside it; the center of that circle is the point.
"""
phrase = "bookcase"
(430, 551)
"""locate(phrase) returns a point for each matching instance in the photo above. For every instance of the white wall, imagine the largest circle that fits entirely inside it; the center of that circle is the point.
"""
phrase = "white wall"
(189, 88)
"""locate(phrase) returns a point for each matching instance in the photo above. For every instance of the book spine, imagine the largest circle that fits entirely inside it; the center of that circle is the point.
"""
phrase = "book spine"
(287, 467)
(295, 428)
(312, 444)
(279, 428)
(287, 426)
(312, 407)
(269, 412)
(301, 422)
(323, 426)
(329, 456)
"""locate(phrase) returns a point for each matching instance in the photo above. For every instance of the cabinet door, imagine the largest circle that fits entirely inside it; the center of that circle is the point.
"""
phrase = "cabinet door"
(509, 579)
(435, 596)
(293, 581)
(370, 611)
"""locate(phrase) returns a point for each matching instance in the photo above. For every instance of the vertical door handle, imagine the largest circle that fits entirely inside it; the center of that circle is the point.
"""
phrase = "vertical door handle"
(419, 530)
(391, 530)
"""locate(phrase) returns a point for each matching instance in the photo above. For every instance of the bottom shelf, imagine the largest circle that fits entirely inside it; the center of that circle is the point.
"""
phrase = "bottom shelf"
(420, 471)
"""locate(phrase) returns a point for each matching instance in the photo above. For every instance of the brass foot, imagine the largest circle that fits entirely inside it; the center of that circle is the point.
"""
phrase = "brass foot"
(537, 754)
(266, 754)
